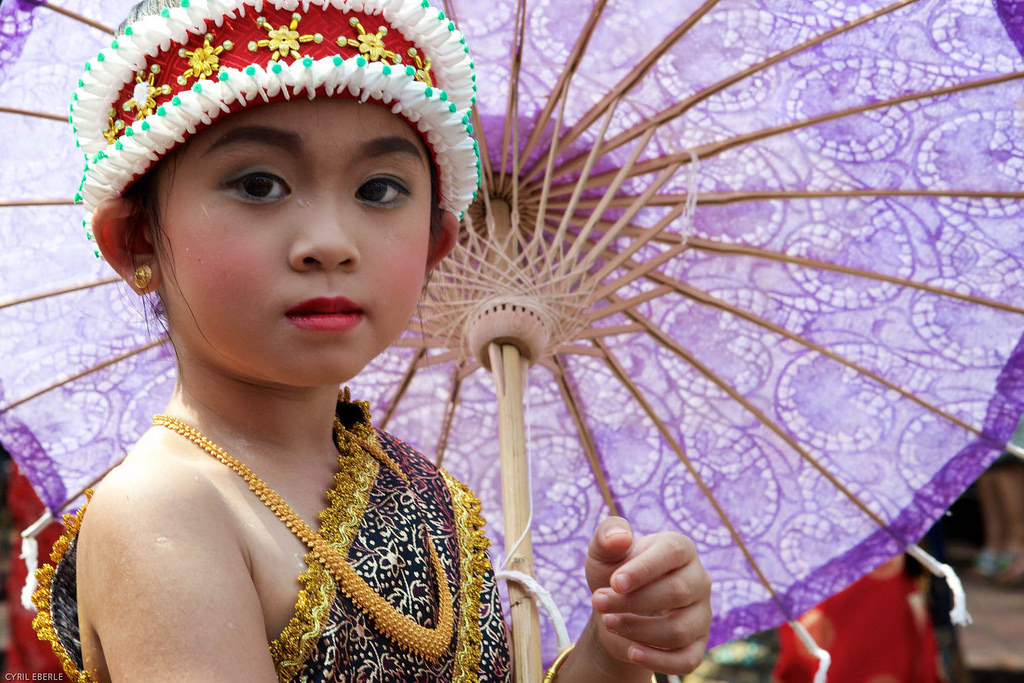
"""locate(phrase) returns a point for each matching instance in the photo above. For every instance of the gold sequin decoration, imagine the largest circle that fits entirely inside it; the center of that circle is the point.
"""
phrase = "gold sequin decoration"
(473, 565)
(339, 521)
(43, 622)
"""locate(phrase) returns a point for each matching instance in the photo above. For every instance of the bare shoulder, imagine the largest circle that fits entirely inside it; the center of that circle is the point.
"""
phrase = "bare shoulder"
(164, 584)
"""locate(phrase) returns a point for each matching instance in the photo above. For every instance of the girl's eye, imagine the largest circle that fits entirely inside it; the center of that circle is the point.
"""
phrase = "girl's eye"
(260, 187)
(383, 191)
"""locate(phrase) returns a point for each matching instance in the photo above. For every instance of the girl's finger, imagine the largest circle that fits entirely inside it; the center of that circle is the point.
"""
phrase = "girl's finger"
(680, 588)
(672, 631)
(658, 555)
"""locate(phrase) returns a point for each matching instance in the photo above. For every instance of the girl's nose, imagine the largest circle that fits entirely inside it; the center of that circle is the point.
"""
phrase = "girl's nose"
(326, 241)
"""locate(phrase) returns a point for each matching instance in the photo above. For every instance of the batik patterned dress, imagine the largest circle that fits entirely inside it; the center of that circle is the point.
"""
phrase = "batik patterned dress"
(382, 514)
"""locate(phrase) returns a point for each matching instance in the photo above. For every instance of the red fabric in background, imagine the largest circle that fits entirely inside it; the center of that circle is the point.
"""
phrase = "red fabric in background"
(26, 654)
(876, 631)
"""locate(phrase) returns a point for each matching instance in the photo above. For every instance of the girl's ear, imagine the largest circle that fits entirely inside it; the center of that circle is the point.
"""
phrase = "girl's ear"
(124, 245)
(445, 240)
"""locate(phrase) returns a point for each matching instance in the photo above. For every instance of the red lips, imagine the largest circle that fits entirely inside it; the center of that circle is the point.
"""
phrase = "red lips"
(324, 305)
(326, 314)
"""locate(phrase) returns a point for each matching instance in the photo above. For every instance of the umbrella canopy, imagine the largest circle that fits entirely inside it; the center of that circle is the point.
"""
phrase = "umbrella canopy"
(756, 264)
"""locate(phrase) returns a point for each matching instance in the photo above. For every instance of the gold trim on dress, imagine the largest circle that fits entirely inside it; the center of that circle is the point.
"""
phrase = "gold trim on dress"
(339, 521)
(473, 565)
(43, 622)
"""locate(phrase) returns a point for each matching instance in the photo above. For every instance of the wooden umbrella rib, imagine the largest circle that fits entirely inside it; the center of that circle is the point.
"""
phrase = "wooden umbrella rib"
(672, 345)
(608, 331)
(449, 416)
(438, 359)
(577, 192)
(21, 203)
(58, 292)
(722, 198)
(96, 368)
(684, 105)
(706, 299)
(76, 16)
(702, 244)
(595, 314)
(572, 401)
(512, 105)
(612, 233)
(624, 378)
(559, 93)
(403, 386)
(628, 82)
(581, 238)
(35, 114)
(715, 148)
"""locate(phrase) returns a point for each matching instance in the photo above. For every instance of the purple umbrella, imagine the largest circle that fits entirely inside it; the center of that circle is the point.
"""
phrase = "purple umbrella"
(751, 270)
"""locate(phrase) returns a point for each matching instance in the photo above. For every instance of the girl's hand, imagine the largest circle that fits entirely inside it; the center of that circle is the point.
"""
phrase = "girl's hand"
(651, 598)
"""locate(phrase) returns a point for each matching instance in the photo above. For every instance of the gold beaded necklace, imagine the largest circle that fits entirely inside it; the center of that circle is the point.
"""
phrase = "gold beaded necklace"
(429, 643)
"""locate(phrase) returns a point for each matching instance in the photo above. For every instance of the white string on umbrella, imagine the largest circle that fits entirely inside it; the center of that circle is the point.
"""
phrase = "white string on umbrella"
(958, 614)
(824, 658)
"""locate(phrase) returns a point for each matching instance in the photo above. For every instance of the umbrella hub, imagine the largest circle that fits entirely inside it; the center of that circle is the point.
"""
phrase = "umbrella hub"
(507, 320)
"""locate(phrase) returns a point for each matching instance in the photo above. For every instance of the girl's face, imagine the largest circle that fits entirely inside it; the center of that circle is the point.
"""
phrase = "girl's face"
(296, 239)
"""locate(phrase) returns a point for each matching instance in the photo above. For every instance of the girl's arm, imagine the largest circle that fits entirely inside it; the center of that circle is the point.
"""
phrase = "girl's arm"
(652, 608)
(165, 591)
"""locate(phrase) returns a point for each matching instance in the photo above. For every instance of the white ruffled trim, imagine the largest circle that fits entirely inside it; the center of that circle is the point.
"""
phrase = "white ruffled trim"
(149, 139)
(110, 170)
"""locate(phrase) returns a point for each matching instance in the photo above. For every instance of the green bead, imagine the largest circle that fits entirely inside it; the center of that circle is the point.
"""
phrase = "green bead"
(197, 87)
(129, 131)
(223, 76)
(410, 71)
(118, 145)
(114, 45)
(128, 31)
(165, 12)
(250, 70)
(276, 68)
(185, 3)
(386, 70)
(145, 125)
(429, 92)
(307, 62)
(176, 101)
(160, 111)
(338, 60)
(360, 61)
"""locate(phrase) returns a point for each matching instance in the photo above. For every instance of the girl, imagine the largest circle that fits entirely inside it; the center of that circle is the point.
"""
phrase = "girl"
(284, 176)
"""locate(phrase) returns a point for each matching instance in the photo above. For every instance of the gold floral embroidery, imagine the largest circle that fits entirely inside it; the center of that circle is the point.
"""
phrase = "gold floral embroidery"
(347, 502)
(422, 67)
(473, 565)
(143, 99)
(204, 61)
(371, 45)
(284, 40)
(115, 127)
(43, 622)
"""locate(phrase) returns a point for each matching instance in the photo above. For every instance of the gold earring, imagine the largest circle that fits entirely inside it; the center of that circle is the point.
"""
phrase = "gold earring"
(143, 276)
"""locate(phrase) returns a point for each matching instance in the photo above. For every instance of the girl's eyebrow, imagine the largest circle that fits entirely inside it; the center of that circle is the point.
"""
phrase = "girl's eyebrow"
(292, 142)
(268, 135)
(394, 144)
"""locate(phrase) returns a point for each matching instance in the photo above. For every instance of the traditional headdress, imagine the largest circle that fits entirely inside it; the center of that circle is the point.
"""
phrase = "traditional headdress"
(173, 73)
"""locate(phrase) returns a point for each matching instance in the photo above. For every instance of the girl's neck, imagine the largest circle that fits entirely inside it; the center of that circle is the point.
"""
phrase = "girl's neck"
(286, 423)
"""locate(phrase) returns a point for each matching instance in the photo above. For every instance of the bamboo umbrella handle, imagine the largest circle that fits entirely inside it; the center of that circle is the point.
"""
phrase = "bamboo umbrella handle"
(509, 369)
